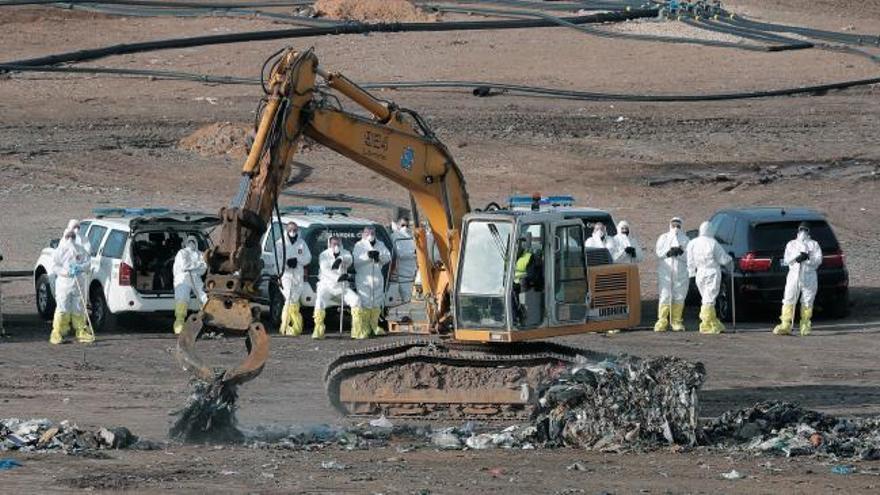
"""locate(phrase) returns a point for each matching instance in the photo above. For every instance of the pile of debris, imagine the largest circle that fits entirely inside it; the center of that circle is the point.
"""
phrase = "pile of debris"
(788, 429)
(44, 435)
(624, 403)
(371, 11)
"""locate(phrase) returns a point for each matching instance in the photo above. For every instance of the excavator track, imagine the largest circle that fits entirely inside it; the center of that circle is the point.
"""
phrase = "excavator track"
(432, 379)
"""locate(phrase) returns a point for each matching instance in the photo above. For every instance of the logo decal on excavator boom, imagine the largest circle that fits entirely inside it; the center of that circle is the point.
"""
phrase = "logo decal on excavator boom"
(407, 158)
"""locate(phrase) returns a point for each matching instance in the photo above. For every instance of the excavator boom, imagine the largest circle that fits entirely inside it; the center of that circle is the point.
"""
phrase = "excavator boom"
(393, 142)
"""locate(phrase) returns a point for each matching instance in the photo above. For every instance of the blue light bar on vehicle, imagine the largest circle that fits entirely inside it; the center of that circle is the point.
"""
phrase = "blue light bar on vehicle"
(128, 212)
(316, 210)
(541, 202)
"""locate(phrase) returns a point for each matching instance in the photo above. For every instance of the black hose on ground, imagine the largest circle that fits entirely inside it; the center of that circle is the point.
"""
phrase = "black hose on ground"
(852, 39)
(350, 28)
(471, 85)
(774, 43)
(192, 12)
(615, 35)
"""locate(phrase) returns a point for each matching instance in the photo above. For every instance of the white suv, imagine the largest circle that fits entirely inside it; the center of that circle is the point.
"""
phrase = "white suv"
(133, 253)
(316, 225)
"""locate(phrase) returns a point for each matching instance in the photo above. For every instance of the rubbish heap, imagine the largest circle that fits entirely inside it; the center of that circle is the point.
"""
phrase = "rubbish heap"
(622, 403)
(39, 435)
(788, 429)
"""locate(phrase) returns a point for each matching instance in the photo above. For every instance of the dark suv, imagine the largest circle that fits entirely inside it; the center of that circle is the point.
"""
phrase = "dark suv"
(756, 239)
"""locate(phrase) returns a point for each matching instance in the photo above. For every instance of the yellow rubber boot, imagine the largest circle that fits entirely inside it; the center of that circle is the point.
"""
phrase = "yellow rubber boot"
(678, 317)
(359, 327)
(179, 317)
(709, 322)
(296, 320)
(806, 324)
(375, 313)
(60, 324)
(706, 319)
(318, 332)
(83, 334)
(662, 324)
(283, 323)
(785, 319)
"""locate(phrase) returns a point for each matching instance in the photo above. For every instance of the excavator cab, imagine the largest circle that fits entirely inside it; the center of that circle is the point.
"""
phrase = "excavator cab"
(524, 276)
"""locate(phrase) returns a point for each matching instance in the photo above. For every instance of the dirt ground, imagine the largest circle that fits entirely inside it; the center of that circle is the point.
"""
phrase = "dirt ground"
(69, 143)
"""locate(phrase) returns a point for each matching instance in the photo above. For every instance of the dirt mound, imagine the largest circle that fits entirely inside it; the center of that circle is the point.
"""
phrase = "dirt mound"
(221, 138)
(371, 10)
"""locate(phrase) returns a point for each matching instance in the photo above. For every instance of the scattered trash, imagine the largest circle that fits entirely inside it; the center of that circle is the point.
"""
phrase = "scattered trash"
(577, 466)
(732, 475)
(446, 439)
(843, 469)
(622, 403)
(381, 422)
(38, 435)
(480, 442)
(788, 429)
(9, 464)
(333, 465)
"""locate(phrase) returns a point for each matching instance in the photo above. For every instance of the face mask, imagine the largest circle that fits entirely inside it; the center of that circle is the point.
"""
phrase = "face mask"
(676, 228)
(191, 246)
(371, 238)
(802, 236)
(625, 232)
(292, 235)
(335, 249)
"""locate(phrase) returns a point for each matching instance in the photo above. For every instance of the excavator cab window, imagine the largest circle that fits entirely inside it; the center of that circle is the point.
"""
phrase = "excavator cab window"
(569, 274)
(528, 277)
(485, 264)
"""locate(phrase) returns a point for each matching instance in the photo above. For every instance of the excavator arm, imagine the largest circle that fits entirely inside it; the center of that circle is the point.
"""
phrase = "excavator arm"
(393, 142)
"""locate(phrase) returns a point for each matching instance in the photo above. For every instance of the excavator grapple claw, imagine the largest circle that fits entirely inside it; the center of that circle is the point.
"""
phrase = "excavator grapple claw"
(250, 368)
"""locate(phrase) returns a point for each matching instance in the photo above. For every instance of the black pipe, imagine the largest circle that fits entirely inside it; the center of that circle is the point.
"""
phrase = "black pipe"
(350, 28)
(470, 85)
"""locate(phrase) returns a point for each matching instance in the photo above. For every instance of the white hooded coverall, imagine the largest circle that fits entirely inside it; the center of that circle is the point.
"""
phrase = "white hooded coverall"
(69, 257)
(802, 279)
(672, 273)
(292, 279)
(189, 266)
(368, 279)
(705, 257)
(623, 241)
(330, 289)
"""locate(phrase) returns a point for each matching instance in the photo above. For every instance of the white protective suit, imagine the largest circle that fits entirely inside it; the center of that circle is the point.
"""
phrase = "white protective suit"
(672, 272)
(802, 279)
(330, 289)
(292, 280)
(189, 266)
(71, 264)
(403, 273)
(705, 257)
(595, 241)
(623, 241)
(368, 279)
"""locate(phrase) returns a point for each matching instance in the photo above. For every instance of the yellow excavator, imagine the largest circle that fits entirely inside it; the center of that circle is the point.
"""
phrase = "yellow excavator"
(497, 281)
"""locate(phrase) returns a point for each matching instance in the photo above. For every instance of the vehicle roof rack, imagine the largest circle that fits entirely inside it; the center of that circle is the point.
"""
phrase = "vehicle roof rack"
(316, 210)
(128, 212)
(539, 203)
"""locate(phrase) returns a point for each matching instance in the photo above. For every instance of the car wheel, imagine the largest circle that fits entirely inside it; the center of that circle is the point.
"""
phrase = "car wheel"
(723, 303)
(102, 319)
(45, 299)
